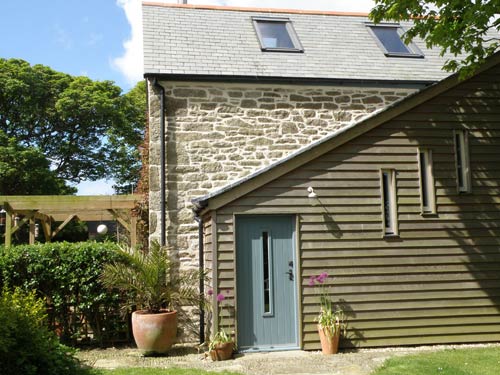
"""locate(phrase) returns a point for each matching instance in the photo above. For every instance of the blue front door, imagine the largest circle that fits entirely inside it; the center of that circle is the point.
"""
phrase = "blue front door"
(266, 283)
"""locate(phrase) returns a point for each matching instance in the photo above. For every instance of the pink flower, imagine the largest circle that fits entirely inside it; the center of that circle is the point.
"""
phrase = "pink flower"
(220, 297)
(321, 277)
(210, 292)
(312, 280)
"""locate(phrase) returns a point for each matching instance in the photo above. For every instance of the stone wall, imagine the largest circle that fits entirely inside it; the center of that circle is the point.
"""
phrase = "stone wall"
(217, 133)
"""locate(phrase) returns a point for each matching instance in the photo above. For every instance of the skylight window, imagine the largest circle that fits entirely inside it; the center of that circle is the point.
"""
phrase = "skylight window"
(276, 34)
(388, 37)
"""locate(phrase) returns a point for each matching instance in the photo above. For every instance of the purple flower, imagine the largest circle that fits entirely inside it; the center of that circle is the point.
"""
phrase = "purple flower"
(210, 292)
(220, 297)
(321, 277)
(312, 281)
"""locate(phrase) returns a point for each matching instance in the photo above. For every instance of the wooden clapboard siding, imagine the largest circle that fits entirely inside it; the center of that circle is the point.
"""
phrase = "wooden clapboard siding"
(439, 280)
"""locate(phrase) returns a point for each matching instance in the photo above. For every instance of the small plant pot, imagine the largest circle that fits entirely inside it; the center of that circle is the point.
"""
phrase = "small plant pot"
(329, 343)
(222, 352)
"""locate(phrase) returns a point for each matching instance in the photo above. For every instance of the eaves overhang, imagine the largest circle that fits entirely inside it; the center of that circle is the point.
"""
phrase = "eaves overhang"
(313, 81)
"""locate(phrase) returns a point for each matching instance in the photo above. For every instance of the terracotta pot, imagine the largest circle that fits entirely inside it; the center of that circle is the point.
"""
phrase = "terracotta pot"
(222, 352)
(154, 333)
(329, 343)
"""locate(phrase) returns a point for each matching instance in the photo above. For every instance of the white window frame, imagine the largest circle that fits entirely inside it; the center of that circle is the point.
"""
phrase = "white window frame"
(462, 160)
(425, 167)
(392, 229)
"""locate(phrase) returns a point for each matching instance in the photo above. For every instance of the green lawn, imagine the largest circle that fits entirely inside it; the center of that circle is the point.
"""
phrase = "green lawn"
(484, 361)
(158, 371)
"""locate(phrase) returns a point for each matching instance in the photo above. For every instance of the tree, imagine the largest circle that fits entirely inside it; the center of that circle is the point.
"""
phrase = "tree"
(468, 27)
(85, 128)
(26, 171)
(126, 140)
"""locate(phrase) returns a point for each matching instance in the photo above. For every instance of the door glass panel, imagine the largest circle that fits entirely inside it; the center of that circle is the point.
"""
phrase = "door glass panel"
(267, 273)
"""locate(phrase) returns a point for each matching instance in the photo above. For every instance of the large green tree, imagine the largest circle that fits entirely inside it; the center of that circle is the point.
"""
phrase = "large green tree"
(468, 29)
(85, 128)
(126, 140)
(26, 171)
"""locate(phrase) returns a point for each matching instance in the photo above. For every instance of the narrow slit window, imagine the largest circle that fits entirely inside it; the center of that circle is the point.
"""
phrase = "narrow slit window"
(276, 34)
(427, 189)
(462, 161)
(266, 266)
(389, 202)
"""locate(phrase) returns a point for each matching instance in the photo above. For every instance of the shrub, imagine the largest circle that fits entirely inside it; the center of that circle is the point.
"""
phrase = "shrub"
(66, 275)
(26, 345)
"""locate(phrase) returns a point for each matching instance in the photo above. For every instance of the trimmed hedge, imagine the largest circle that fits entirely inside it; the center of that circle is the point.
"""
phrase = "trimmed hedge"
(66, 275)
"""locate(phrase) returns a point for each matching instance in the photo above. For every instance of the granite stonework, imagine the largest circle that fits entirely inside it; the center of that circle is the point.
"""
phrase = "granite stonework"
(217, 133)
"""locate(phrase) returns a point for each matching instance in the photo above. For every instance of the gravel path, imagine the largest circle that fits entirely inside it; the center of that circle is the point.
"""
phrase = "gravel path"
(359, 362)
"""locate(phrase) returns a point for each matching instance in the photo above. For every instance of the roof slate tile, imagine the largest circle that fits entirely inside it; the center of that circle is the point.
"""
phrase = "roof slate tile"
(185, 40)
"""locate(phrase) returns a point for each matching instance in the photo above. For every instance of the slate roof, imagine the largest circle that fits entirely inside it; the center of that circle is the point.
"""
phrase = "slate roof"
(205, 40)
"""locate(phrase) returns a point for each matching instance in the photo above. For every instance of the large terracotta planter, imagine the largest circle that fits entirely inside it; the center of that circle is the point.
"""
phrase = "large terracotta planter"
(329, 342)
(222, 352)
(154, 333)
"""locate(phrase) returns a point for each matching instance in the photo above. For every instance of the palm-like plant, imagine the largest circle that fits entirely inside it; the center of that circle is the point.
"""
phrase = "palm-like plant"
(149, 282)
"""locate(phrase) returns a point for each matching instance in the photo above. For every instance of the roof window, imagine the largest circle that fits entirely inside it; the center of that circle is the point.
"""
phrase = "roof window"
(388, 37)
(276, 34)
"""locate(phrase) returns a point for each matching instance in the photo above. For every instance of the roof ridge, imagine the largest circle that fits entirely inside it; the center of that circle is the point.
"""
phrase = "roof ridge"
(260, 10)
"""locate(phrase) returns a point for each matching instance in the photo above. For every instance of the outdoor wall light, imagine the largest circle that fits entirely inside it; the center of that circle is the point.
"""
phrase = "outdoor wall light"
(16, 220)
(313, 197)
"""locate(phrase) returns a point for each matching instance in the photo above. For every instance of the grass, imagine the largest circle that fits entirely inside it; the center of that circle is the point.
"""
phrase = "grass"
(484, 361)
(158, 371)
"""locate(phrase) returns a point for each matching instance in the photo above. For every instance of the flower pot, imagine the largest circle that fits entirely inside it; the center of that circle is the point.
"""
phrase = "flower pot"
(329, 340)
(222, 352)
(154, 333)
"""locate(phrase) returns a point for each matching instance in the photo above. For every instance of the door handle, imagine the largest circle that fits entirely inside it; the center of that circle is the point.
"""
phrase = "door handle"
(290, 275)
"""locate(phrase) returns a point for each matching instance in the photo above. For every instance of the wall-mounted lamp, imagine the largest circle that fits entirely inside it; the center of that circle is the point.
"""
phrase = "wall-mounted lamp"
(16, 220)
(313, 197)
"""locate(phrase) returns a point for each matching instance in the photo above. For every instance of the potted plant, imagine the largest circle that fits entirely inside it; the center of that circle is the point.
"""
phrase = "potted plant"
(331, 318)
(221, 344)
(154, 291)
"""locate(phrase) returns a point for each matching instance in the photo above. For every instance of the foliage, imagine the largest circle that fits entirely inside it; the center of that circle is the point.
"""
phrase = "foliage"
(84, 127)
(221, 336)
(331, 317)
(74, 231)
(456, 26)
(26, 345)
(471, 361)
(126, 140)
(66, 275)
(149, 280)
(26, 171)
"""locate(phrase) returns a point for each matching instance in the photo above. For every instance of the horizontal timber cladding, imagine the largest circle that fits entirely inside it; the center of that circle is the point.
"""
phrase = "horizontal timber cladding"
(439, 280)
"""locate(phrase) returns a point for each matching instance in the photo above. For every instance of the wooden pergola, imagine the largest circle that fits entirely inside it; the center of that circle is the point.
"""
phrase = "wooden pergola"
(64, 208)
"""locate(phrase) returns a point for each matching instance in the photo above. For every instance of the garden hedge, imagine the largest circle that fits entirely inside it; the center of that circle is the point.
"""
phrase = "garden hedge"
(66, 275)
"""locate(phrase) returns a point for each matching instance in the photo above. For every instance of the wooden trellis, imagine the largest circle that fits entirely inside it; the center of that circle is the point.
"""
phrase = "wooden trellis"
(65, 208)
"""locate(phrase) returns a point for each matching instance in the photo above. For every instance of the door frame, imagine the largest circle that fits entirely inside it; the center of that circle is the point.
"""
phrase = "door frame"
(297, 290)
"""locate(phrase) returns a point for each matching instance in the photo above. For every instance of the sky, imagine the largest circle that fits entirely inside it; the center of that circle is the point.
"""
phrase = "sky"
(102, 39)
